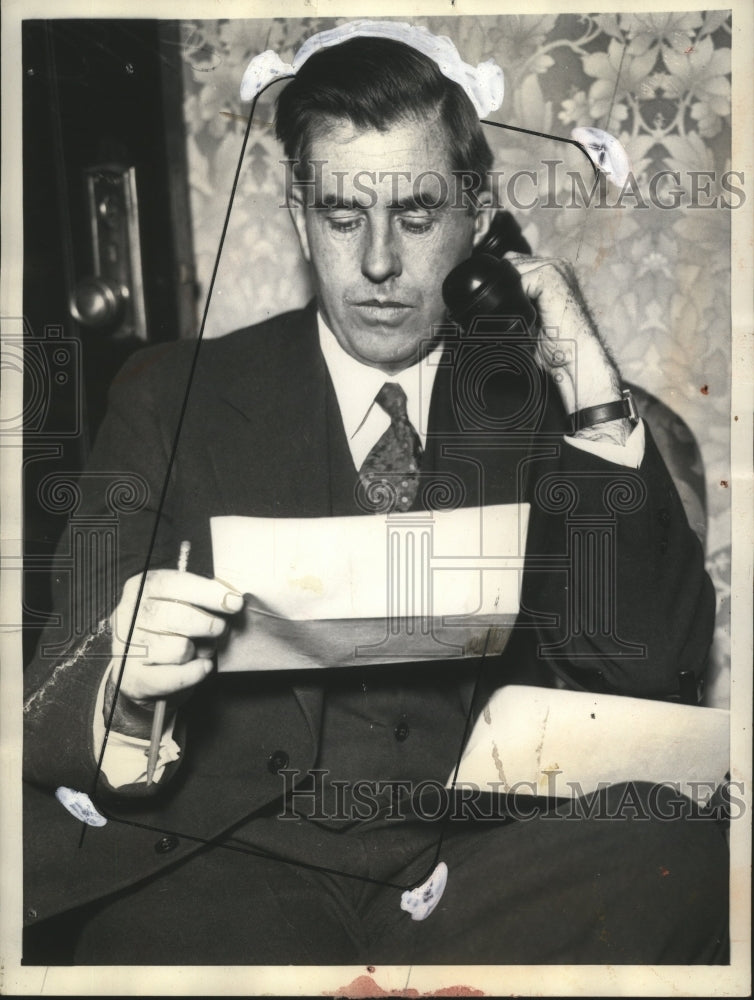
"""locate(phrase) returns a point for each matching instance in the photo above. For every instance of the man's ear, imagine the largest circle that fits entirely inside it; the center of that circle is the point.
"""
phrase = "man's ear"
(484, 216)
(297, 210)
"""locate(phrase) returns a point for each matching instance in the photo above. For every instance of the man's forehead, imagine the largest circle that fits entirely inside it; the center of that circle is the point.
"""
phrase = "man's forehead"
(401, 162)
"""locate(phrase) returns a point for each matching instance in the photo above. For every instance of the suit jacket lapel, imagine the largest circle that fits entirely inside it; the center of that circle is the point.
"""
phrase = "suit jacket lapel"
(478, 442)
(274, 409)
(445, 474)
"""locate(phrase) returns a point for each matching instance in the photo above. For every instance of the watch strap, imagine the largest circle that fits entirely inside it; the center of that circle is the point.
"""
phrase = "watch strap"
(615, 410)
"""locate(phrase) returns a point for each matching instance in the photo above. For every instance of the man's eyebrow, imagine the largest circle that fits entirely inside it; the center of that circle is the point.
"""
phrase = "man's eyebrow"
(336, 201)
(412, 202)
(416, 202)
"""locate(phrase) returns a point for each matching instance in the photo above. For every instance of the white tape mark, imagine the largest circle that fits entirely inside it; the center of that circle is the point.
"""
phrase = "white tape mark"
(605, 152)
(40, 693)
(79, 805)
(420, 902)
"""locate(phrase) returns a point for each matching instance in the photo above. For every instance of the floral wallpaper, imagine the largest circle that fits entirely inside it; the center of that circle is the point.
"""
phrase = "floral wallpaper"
(653, 258)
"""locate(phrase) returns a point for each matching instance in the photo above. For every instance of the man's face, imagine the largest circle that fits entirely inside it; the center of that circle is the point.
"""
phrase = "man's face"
(378, 239)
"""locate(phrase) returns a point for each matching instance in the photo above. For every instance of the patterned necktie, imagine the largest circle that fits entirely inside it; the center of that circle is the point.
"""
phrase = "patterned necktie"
(390, 472)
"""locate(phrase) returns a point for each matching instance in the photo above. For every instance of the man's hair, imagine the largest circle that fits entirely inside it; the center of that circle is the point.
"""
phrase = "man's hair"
(376, 83)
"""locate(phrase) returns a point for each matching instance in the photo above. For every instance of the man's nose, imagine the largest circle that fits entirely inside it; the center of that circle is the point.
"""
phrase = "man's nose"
(380, 258)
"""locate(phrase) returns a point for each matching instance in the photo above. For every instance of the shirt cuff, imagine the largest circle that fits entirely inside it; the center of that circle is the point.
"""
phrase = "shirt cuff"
(125, 758)
(630, 454)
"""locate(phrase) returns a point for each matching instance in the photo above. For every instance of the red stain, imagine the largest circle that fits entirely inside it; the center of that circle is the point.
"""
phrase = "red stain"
(664, 871)
(724, 483)
(138, 369)
(456, 991)
(365, 988)
(704, 390)
(689, 50)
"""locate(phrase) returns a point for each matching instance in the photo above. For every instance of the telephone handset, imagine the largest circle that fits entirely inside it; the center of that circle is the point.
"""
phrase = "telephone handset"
(486, 286)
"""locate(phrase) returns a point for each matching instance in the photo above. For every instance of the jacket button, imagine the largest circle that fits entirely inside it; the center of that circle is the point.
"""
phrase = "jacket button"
(401, 731)
(663, 515)
(166, 844)
(277, 761)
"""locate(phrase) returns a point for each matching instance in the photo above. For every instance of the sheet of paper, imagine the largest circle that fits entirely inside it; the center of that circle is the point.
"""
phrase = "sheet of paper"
(324, 592)
(524, 744)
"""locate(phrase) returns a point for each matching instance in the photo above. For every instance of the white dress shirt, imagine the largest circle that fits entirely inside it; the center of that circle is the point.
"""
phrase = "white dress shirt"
(357, 384)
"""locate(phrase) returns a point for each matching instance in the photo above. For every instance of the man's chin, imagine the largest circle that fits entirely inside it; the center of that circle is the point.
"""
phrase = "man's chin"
(391, 349)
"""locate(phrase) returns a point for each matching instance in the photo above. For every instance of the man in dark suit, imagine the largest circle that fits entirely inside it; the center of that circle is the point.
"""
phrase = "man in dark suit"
(300, 417)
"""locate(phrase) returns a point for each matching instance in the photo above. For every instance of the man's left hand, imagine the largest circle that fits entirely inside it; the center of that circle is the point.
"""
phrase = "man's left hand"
(569, 346)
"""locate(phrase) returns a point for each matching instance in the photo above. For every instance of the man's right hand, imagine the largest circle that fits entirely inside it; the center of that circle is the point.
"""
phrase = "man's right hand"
(179, 618)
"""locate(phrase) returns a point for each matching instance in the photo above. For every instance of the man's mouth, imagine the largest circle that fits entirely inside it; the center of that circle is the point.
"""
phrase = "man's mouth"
(382, 312)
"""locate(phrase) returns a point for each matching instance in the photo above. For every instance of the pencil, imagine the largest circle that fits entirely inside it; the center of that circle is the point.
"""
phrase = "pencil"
(158, 719)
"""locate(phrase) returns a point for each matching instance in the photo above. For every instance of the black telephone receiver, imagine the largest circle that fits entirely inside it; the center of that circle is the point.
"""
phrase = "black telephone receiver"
(487, 286)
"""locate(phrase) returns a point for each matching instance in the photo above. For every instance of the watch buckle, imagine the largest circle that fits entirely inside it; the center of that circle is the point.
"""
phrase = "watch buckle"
(633, 413)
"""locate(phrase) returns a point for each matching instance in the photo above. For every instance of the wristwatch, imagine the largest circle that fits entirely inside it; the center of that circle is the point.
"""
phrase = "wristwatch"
(617, 410)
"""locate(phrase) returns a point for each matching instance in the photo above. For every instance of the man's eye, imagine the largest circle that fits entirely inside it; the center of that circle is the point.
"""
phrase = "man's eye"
(344, 224)
(416, 224)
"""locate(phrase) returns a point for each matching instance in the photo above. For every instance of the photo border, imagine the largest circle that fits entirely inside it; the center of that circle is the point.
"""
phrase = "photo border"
(732, 980)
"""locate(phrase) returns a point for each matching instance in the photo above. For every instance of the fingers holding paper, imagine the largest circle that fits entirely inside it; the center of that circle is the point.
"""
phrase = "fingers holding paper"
(179, 617)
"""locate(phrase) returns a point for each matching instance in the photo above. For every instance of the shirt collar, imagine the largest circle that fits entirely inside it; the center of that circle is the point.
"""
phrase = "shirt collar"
(356, 384)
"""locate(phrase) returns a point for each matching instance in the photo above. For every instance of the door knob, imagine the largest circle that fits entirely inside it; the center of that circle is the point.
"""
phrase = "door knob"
(98, 302)
(110, 297)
